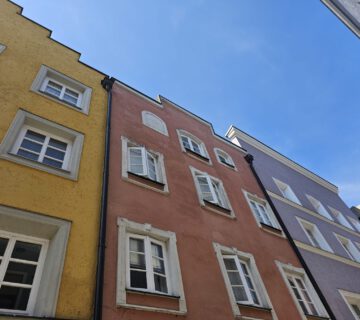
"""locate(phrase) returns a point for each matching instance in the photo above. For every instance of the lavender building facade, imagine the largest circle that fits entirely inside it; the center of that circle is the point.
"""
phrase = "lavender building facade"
(323, 230)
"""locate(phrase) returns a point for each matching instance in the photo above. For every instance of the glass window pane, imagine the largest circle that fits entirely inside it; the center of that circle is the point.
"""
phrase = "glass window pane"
(158, 265)
(137, 261)
(138, 279)
(57, 144)
(240, 294)
(160, 283)
(356, 308)
(137, 245)
(157, 250)
(53, 88)
(3, 244)
(230, 264)
(234, 278)
(14, 298)
(26, 251)
(52, 163)
(29, 155)
(55, 153)
(20, 273)
(196, 147)
(30, 145)
(70, 96)
(35, 136)
(185, 142)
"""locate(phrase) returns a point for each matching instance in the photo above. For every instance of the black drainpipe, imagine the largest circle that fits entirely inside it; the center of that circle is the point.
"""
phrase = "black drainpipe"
(249, 159)
(107, 84)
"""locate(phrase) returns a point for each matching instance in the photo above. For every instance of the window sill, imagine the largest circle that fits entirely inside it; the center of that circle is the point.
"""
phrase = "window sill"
(230, 166)
(145, 182)
(253, 306)
(313, 317)
(271, 228)
(148, 293)
(218, 209)
(197, 155)
(38, 165)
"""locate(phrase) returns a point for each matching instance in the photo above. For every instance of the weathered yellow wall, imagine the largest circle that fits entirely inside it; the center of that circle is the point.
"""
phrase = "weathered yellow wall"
(28, 47)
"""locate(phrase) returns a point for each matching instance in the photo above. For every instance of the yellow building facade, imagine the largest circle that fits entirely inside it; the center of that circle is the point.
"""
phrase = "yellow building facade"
(52, 126)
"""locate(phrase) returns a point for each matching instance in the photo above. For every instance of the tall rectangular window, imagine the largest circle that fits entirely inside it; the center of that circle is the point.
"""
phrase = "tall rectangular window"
(341, 218)
(349, 248)
(320, 209)
(21, 262)
(286, 191)
(143, 162)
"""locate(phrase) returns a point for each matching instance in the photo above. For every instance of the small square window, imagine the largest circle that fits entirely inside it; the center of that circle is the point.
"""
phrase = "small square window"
(286, 191)
(261, 211)
(148, 262)
(143, 166)
(62, 88)
(42, 144)
(211, 192)
(314, 235)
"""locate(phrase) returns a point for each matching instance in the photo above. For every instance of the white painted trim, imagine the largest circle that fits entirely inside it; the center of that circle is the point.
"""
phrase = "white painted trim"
(322, 241)
(350, 295)
(312, 213)
(281, 184)
(126, 227)
(125, 166)
(217, 151)
(339, 215)
(194, 173)
(260, 288)
(46, 73)
(23, 118)
(56, 232)
(326, 254)
(342, 16)
(234, 134)
(355, 253)
(291, 270)
(203, 151)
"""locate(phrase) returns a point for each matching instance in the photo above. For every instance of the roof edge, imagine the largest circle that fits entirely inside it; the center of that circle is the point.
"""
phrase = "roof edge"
(234, 131)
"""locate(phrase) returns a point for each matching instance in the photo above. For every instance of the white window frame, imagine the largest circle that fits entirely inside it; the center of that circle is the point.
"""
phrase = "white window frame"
(167, 238)
(50, 230)
(13, 237)
(351, 298)
(286, 191)
(229, 161)
(17, 130)
(146, 120)
(259, 286)
(260, 201)
(356, 223)
(160, 167)
(188, 135)
(210, 179)
(289, 270)
(47, 74)
(341, 218)
(310, 227)
(319, 207)
(349, 247)
(148, 263)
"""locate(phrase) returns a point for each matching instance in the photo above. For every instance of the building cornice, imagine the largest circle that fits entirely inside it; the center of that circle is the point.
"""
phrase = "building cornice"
(234, 132)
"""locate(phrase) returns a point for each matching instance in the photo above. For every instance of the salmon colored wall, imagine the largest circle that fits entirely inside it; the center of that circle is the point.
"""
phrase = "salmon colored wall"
(196, 228)
(22, 187)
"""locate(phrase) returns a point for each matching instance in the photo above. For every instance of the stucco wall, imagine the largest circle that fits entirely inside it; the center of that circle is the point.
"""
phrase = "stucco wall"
(179, 211)
(28, 47)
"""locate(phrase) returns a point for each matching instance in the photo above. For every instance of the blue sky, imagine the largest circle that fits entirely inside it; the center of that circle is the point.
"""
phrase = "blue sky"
(286, 72)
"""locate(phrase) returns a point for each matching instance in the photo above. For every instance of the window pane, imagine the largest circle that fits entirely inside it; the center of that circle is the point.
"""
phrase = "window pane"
(136, 161)
(265, 215)
(14, 298)
(3, 244)
(138, 279)
(30, 145)
(195, 147)
(230, 264)
(70, 96)
(240, 294)
(158, 265)
(205, 189)
(52, 163)
(234, 278)
(35, 136)
(55, 153)
(137, 245)
(57, 144)
(20, 273)
(185, 142)
(29, 155)
(53, 88)
(137, 261)
(26, 251)
(152, 167)
(356, 308)
(160, 283)
(157, 250)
